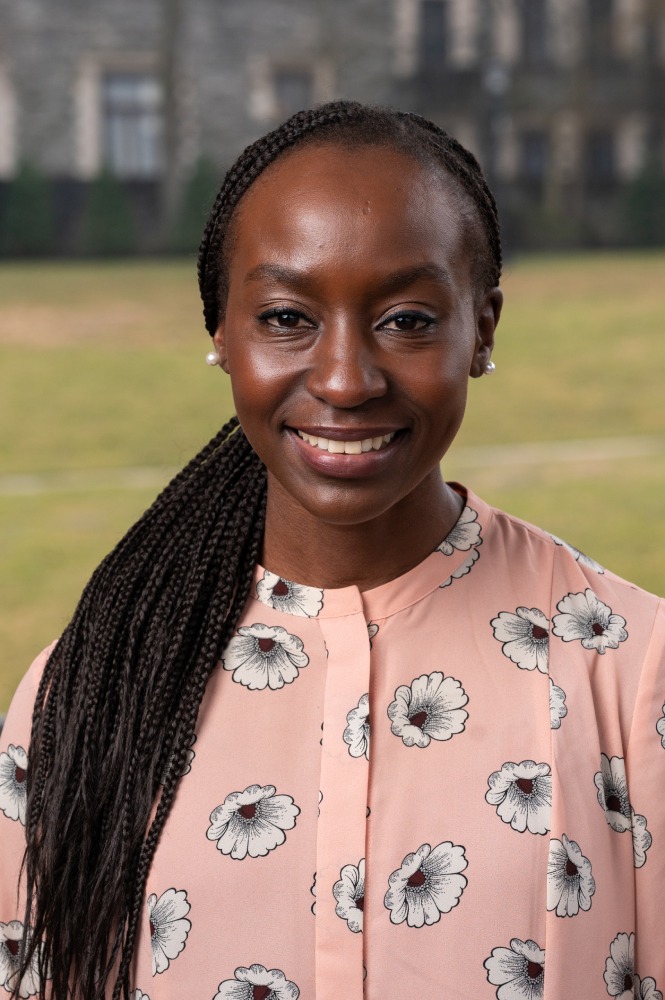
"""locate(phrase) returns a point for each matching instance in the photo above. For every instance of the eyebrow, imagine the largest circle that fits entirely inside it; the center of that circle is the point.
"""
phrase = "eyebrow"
(394, 282)
(277, 272)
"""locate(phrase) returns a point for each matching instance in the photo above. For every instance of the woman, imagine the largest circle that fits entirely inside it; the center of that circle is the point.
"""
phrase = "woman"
(203, 815)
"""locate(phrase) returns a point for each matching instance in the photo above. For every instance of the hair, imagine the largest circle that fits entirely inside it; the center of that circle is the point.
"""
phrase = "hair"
(117, 704)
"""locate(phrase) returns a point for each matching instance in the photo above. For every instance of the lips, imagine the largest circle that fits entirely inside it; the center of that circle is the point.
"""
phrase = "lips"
(347, 447)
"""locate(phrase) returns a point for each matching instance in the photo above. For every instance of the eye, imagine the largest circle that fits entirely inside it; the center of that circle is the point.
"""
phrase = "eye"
(408, 322)
(285, 319)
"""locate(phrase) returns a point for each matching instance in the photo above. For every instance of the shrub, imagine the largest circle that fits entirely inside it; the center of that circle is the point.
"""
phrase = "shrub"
(196, 201)
(108, 227)
(27, 228)
(644, 207)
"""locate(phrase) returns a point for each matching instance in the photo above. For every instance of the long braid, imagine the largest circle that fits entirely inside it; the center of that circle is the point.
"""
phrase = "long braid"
(118, 701)
(111, 710)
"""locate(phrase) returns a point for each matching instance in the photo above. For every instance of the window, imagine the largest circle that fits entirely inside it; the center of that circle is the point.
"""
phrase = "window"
(132, 124)
(433, 38)
(600, 157)
(534, 156)
(600, 21)
(535, 35)
(7, 125)
(294, 90)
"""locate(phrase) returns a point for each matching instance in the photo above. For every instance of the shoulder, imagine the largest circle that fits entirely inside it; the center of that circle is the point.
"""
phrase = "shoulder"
(16, 728)
(581, 590)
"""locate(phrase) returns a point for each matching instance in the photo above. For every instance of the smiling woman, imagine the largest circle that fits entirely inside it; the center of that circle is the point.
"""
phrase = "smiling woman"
(190, 763)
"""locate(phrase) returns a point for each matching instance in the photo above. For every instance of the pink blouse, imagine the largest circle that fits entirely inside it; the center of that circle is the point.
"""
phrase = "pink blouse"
(450, 786)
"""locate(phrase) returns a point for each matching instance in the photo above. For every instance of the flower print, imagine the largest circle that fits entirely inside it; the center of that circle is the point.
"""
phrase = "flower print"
(570, 884)
(660, 728)
(257, 983)
(525, 637)
(646, 989)
(372, 632)
(518, 971)
(169, 927)
(13, 772)
(557, 705)
(263, 656)
(462, 569)
(522, 794)
(186, 764)
(584, 617)
(356, 733)
(138, 995)
(252, 822)
(427, 884)
(285, 595)
(350, 895)
(620, 967)
(312, 889)
(641, 838)
(613, 798)
(429, 709)
(619, 975)
(613, 792)
(577, 555)
(11, 936)
(464, 535)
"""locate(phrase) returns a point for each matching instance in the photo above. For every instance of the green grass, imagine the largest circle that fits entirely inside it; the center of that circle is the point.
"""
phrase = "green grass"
(49, 546)
(101, 366)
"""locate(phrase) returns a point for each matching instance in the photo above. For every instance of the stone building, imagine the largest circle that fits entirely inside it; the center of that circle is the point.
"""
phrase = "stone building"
(562, 100)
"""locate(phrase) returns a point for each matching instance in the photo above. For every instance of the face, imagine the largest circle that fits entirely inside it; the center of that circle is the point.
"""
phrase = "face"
(351, 328)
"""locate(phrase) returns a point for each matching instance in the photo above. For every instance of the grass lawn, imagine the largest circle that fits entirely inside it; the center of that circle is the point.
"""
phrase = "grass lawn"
(101, 367)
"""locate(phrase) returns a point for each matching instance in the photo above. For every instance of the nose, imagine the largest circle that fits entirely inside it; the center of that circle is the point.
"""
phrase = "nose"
(346, 369)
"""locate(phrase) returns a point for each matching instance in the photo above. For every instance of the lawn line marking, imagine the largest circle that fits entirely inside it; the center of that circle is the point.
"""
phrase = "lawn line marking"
(85, 481)
(472, 457)
(546, 452)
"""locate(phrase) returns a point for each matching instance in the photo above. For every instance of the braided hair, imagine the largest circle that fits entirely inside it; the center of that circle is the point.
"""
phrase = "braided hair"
(118, 701)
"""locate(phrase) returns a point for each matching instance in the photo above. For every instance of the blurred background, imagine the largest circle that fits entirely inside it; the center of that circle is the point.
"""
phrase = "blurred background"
(117, 121)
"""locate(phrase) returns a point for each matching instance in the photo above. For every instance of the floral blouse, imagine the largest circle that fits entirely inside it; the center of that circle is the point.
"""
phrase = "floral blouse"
(451, 786)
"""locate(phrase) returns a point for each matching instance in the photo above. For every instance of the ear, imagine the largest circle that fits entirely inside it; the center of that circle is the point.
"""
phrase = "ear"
(219, 340)
(488, 314)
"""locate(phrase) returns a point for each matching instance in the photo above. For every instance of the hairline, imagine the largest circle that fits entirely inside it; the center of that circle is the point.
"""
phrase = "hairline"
(351, 140)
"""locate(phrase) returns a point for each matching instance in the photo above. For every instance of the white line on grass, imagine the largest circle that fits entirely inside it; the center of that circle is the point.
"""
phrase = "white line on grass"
(526, 453)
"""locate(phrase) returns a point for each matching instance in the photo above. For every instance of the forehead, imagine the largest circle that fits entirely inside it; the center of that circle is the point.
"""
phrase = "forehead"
(371, 208)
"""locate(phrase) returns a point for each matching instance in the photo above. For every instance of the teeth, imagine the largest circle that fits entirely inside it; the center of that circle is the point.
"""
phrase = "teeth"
(347, 447)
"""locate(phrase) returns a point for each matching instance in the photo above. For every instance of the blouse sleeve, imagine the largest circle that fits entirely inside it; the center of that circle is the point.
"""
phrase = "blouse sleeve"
(14, 763)
(645, 771)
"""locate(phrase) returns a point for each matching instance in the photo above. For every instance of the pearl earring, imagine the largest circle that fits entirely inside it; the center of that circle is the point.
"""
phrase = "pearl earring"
(489, 368)
(213, 358)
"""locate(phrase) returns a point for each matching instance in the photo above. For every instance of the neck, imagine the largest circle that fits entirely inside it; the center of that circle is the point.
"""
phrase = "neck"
(301, 547)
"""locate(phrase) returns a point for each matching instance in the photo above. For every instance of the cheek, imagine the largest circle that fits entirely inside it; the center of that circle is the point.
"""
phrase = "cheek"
(441, 390)
(257, 381)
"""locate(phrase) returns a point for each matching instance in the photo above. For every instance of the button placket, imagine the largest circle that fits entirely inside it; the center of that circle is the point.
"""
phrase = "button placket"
(343, 816)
